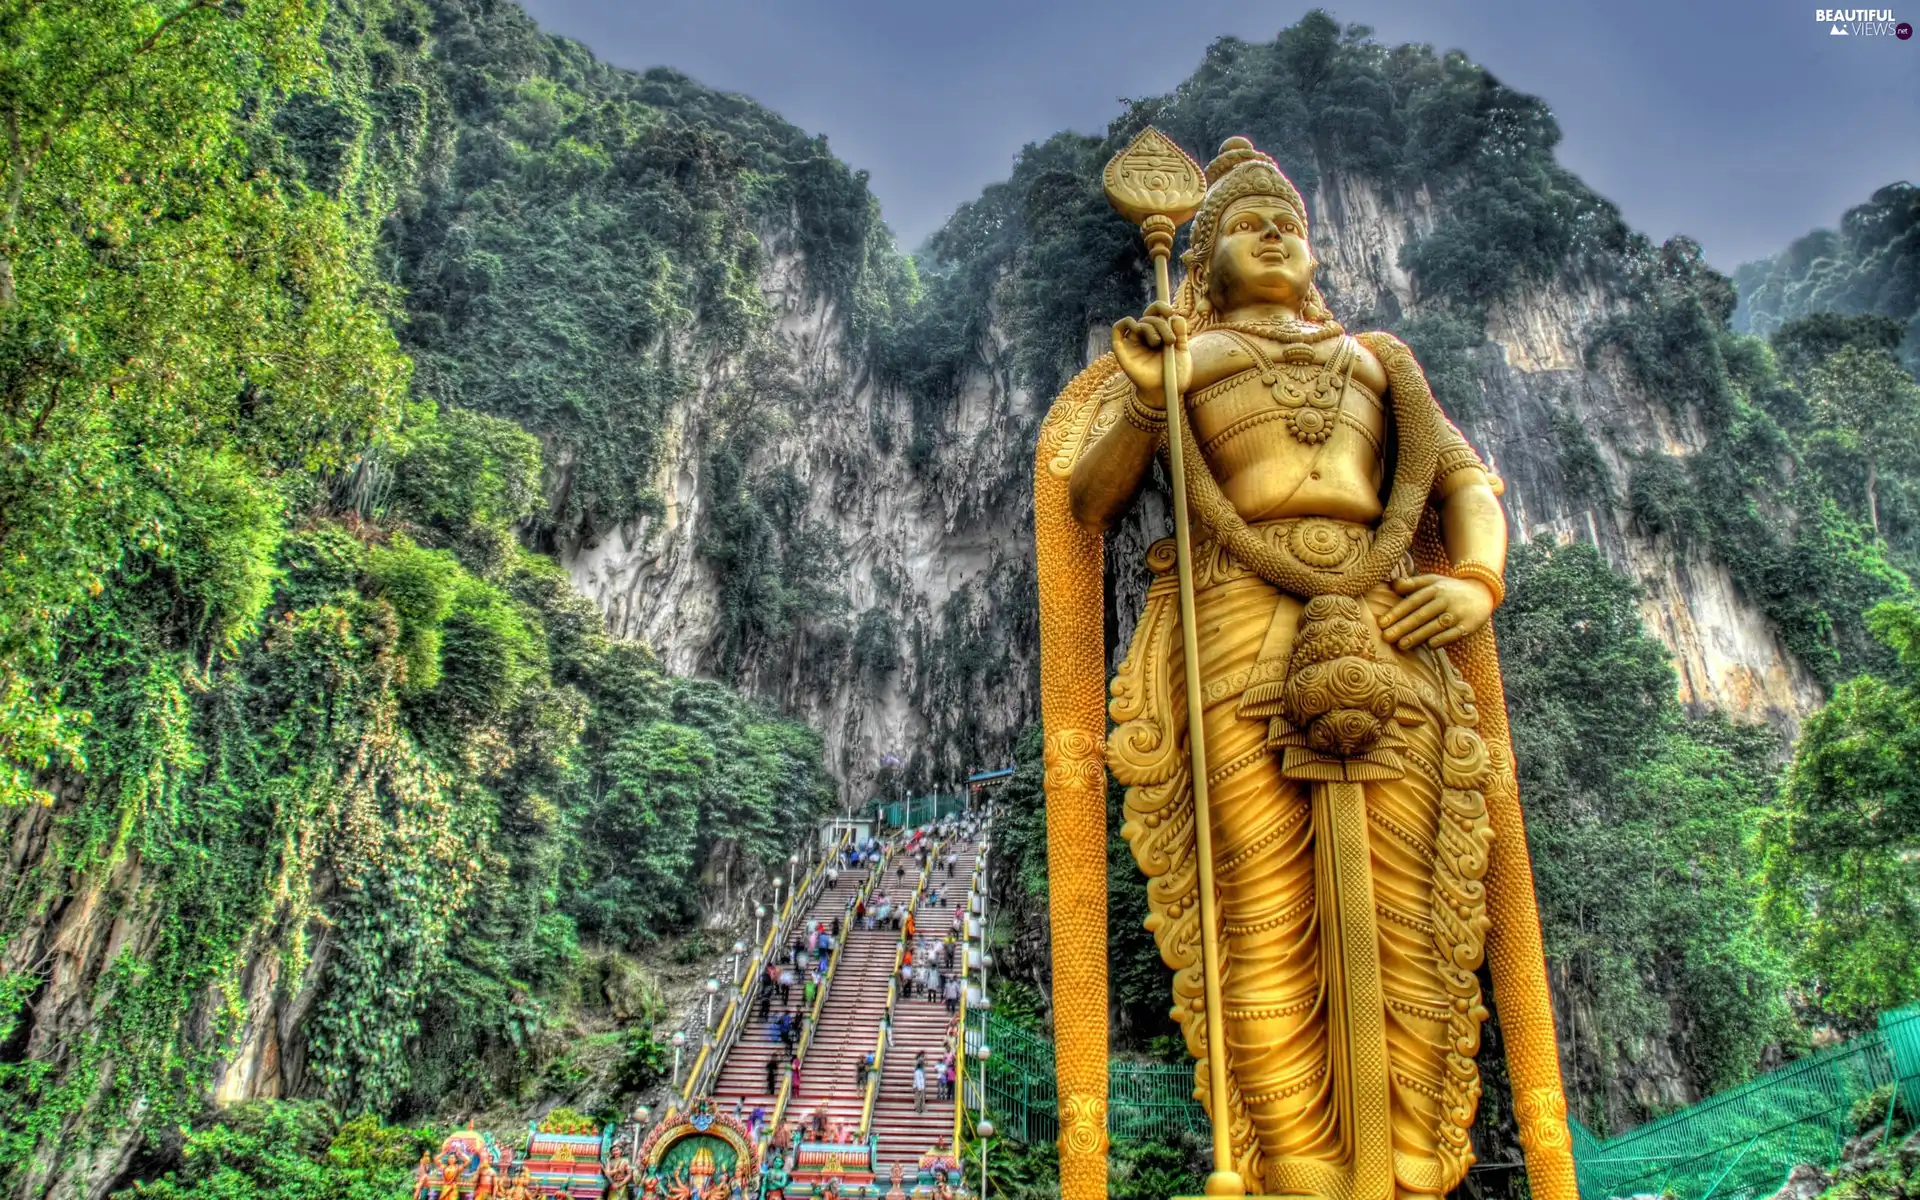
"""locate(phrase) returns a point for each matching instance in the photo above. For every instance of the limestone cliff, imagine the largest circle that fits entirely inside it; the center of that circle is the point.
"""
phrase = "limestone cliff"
(940, 548)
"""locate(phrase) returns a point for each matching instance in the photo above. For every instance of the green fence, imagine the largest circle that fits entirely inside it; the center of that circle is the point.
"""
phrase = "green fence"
(918, 810)
(1143, 1099)
(1741, 1143)
(1736, 1145)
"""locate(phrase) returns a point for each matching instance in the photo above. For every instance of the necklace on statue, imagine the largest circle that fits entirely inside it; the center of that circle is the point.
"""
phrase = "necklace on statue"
(1307, 392)
(1288, 330)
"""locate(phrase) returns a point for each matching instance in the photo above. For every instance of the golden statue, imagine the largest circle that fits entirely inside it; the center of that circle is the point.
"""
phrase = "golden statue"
(1333, 853)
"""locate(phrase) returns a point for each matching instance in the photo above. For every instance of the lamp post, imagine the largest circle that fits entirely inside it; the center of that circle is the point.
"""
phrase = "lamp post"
(986, 960)
(982, 1126)
(759, 911)
(679, 1044)
(712, 988)
(776, 897)
(739, 952)
(641, 1114)
(793, 873)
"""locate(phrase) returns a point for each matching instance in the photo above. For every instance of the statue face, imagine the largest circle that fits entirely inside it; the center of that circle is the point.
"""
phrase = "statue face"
(1260, 256)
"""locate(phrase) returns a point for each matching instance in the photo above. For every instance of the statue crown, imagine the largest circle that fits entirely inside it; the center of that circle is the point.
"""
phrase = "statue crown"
(1238, 170)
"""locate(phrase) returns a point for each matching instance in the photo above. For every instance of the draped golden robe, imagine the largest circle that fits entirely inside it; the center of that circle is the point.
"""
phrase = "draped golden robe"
(1356, 892)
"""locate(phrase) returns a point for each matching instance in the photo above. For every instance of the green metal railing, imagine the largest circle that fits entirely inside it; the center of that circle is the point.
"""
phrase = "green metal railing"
(918, 810)
(1143, 1099)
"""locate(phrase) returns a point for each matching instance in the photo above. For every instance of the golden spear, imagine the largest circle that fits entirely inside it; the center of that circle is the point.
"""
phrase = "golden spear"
(1158, 186)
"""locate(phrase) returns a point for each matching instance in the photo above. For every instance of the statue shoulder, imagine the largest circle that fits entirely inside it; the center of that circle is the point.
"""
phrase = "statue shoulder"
(1217, 355)
(1376, 348)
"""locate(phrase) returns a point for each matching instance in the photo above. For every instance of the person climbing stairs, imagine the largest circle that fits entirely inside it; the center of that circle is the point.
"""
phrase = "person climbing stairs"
(906, 1126)
(744, 1075)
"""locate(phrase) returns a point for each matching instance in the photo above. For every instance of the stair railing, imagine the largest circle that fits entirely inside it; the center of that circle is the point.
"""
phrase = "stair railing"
(893, 996)
(715, 1048)
(960, 1042)
(819, 1002)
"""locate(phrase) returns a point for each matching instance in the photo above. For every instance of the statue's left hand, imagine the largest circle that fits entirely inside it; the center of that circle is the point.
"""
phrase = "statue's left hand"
(1435, 610)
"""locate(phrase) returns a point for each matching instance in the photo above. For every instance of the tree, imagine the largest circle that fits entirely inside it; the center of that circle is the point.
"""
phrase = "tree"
(1842, 848)
(177, 325)
(1871, 406)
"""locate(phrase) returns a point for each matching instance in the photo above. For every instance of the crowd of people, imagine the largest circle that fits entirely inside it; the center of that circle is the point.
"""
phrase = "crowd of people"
(930, 967)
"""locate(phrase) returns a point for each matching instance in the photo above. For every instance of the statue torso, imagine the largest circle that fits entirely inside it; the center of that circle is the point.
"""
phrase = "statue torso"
(1290, 430)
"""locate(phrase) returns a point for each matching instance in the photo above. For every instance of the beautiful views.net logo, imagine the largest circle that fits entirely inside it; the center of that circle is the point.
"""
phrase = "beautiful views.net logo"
(1862, 22)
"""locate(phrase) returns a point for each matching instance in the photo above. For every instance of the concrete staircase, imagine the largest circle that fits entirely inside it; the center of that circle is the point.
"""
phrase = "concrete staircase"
(922, 1024)
(743, 1076)
(849, 1025)
(850, 1022)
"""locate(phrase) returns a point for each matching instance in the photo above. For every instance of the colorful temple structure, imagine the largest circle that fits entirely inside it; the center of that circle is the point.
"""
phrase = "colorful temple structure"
(696, 1155)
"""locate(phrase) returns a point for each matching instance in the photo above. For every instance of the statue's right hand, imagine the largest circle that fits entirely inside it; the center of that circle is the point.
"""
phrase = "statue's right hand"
(1140, 345)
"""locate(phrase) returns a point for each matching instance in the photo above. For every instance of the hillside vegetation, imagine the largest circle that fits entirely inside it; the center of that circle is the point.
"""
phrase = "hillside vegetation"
(322, 327)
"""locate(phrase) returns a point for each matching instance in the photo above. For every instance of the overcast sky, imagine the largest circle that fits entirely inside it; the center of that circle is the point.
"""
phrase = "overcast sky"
(1743, 124)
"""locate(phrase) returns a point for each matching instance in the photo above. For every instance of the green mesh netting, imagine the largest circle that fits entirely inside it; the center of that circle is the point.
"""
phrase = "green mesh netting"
(1736, 1145)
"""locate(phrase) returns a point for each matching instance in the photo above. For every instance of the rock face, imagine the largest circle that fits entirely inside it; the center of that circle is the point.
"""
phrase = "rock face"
(76, 942)
(940, 548)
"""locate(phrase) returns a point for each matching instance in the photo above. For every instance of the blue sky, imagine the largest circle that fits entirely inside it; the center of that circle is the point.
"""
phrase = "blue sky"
(1742, 124)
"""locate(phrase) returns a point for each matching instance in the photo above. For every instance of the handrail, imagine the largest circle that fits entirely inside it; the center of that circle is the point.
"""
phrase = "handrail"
(893, 996)
(726, 1035)
(785, 1093)
(960, 1043)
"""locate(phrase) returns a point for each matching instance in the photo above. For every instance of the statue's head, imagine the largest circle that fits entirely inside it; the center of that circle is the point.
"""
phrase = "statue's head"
(1249, 239)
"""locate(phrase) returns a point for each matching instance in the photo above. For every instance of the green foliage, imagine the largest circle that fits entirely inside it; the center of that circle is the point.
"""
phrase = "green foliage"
(1841, 848)
(1637, 820)
(1018, 1171)
(1583, 472)
(1661, 497)
(1136, 1170)
(1870, 1113)
(1867, 406)
(419, 584)
(987, 631)
(774, 562)
(269, 647)
(1870, 265)
(1447, 346)
(1175, 1166)
(647, 1060)
(588, 227)
(273, 1150)
(876, 650)
(461, 473)
(678, 768)
(227, 522)
(174, 328)
(1805, 342)
(1780, 492)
